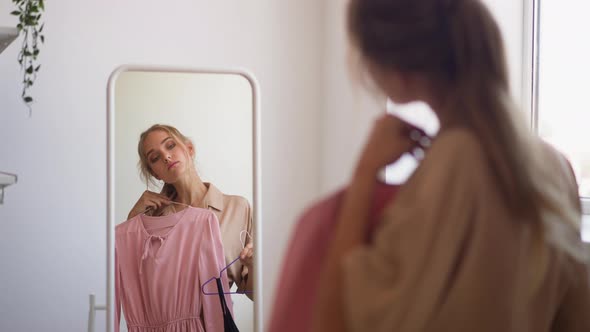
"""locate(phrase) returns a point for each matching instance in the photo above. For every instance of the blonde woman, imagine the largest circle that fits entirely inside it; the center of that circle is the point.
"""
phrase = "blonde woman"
(166, 154)
(485, 235)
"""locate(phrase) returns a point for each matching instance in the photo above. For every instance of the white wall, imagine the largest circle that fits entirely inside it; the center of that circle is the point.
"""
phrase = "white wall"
(348, 109)
(53, 220)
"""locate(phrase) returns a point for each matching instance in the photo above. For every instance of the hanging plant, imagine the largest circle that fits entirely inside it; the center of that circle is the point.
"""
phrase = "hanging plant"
(29, 14)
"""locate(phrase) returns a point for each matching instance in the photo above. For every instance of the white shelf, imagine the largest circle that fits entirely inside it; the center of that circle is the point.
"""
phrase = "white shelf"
(6, 179)
(7, 35)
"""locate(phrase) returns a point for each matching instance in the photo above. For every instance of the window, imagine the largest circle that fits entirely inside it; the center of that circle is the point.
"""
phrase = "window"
(557, 90)
(560, 83)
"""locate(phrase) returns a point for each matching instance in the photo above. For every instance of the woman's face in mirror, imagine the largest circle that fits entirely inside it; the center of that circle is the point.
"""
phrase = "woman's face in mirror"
(167, 158)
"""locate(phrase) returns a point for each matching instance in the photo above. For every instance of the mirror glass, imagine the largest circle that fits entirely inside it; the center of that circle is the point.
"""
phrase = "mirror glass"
(164, 255)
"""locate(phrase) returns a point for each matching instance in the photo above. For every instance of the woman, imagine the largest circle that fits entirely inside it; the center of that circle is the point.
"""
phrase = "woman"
(485, 234)
(166, 154)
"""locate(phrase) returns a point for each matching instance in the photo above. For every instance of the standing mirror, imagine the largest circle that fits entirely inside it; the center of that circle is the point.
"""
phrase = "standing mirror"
(203, 154)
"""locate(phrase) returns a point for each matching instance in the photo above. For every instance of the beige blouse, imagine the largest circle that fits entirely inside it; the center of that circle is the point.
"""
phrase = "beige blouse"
(448, 256)
(235, 215)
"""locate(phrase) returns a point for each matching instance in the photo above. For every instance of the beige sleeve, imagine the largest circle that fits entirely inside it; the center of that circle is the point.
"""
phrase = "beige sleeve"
(575, 306)
(563, 167)
(573, 183)
(250, 224)
(397, 282)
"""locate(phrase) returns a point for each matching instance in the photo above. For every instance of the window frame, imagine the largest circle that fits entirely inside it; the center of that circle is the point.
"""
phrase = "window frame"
(530, 67)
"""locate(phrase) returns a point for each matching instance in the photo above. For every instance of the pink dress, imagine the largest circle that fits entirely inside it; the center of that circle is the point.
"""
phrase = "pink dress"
(303, 261)
(160, 264)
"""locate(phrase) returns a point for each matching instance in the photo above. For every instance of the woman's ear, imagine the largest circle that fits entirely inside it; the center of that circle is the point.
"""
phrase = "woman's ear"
(191, 149)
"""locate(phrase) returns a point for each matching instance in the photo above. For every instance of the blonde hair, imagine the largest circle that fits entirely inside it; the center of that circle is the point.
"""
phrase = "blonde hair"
(145, 170)
(458, 43)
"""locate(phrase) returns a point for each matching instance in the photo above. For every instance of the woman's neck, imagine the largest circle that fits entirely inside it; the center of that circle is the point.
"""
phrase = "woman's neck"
(191, 190)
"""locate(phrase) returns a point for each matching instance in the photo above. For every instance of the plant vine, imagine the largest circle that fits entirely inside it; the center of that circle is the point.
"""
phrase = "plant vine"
(29, 13)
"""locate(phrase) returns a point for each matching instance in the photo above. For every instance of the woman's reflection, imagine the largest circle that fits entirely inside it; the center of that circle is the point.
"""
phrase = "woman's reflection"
(166, 154)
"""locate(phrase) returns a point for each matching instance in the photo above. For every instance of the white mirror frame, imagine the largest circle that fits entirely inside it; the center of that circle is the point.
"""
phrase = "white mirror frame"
(257, 184)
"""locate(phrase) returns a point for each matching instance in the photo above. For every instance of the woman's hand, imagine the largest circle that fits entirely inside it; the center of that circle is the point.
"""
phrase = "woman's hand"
(246, 256)
(388, 141)
(247, 259)
(149, 199)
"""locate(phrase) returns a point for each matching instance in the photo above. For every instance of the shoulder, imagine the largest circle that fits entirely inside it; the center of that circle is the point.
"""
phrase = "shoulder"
(236, 202)
(454, 168)
(457, 143)
(456, 151)
(560, 164)
(125, 226)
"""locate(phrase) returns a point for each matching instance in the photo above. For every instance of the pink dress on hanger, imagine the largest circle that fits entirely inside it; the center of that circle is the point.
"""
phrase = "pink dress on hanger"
(160, 264)
(298, 282)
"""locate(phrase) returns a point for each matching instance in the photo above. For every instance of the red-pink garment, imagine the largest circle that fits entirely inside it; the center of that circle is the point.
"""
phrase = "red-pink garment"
(298, 282)
(160, 264)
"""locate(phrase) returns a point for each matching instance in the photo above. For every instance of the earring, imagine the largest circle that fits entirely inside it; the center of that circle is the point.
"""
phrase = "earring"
(423, 142)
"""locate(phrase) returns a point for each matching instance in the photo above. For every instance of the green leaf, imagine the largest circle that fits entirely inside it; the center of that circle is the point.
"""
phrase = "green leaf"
(29, 15)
